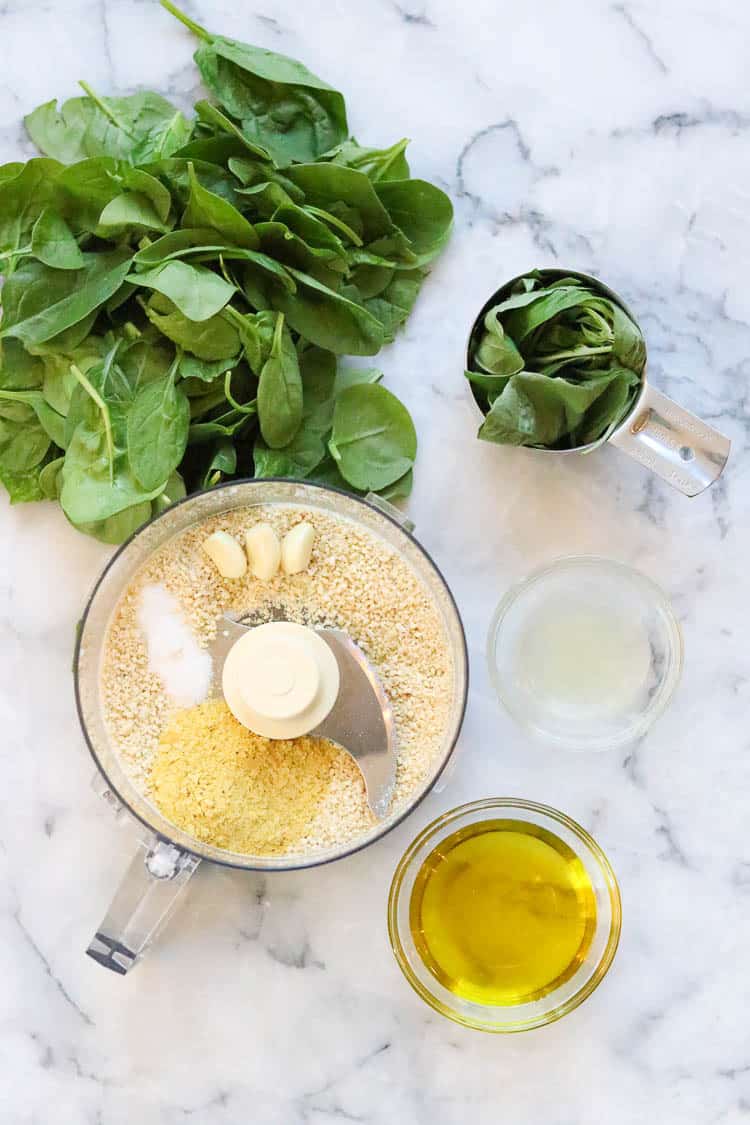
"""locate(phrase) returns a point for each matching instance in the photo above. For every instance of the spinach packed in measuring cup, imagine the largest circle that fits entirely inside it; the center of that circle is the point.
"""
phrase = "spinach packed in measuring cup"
(556, 362)
(555, 365)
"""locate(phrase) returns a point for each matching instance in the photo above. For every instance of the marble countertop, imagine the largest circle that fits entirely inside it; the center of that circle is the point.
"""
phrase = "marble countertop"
(609, 137)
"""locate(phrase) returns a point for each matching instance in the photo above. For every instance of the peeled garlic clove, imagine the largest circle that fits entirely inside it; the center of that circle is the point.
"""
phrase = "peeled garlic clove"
(226, 554)
(296, 548)
(263, 551)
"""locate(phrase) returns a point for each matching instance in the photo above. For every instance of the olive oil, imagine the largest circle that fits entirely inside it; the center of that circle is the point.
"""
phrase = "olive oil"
(502, 912)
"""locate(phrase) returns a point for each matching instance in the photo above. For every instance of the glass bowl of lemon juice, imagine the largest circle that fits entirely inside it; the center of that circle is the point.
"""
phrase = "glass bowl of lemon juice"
(585, 653)
(504, 915)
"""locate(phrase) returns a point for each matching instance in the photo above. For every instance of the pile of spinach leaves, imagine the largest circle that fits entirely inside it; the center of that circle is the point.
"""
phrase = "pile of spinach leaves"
(556, 364)
(177, 293)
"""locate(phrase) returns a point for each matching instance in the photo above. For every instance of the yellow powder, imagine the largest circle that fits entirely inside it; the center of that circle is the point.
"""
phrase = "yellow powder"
(231, 788)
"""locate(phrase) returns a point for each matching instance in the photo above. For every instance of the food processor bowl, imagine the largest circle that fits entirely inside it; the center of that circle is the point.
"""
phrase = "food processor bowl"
(169, 855)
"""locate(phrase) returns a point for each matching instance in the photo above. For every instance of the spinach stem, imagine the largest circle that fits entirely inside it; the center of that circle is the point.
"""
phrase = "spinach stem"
(227, 278)
(172, 373)
(94, 395)
(574, 353)
(246, 408)
(190, 24)
(390, 155)
(333, 221)
(21, 396)
(278, 329)
(102, 105)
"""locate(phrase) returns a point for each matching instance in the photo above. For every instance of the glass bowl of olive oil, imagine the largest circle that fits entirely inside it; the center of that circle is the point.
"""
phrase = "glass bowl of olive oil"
(504, 915)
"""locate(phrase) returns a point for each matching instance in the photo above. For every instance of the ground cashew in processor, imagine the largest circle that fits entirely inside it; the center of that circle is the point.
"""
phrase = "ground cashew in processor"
(231, 786)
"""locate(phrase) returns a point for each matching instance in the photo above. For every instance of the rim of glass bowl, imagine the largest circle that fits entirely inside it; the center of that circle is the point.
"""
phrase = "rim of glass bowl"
(662, 697)
(495, 1024)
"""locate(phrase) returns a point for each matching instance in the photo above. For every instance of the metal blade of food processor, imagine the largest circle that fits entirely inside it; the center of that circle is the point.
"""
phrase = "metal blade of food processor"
(361, 721)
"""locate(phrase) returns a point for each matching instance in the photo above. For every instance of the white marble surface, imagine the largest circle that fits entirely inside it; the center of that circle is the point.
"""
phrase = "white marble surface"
(606, 137)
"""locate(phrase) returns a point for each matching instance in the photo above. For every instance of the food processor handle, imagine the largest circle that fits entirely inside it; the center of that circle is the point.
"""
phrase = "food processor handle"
(144, 900)
(675, 444)
(390, 510)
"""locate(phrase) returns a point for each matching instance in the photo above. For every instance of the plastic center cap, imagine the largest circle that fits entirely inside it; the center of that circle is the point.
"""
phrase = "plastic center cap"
(280, 679)
(277, 678)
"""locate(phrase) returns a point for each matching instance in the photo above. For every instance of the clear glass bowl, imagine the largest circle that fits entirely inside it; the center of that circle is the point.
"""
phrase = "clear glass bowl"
(572, 991)
(585, 653)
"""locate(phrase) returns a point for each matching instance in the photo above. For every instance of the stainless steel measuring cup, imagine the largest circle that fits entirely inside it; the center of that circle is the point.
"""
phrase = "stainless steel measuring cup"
(664, 437)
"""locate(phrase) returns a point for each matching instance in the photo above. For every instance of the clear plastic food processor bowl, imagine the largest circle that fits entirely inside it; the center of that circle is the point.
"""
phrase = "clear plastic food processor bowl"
(168, 856)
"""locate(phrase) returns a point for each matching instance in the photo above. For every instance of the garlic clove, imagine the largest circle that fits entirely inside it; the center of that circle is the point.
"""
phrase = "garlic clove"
(226, 554)
(263, 551)
(296, 548)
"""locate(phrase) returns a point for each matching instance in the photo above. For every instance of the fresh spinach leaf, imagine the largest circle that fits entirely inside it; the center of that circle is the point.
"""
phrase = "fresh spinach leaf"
(374, 442)
(11, 170)
(205, 209)
(49, 479)
(39, 303)
(129, 209)
(327, 184)
(18, 370)
(256, 332)
(328, 319)
(84, 191)
(97, 478)
(24, 442)
(393, 305)
(260, 262)
(421, 211)
(125, 128)
(223, 463)
(174, 173)
(145, 359)
(228, 425)
(22, 488)
(172, 491)
(211, 339)
(400, 489)
(280, 390)
(281, 105)
(497, 354)
(23, 198)
(298, 457)
(51, 422)
(376, 163)
(212, 116)
(535, 410)
(157, 430)
(179, 243)
(119, 527)
(353, 376)
(205, 370)
(197, 292)
(162, 139)
(53, 242)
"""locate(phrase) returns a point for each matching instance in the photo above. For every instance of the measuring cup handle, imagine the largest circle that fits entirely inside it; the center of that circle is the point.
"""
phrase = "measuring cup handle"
(144, 900)
(675, 444)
